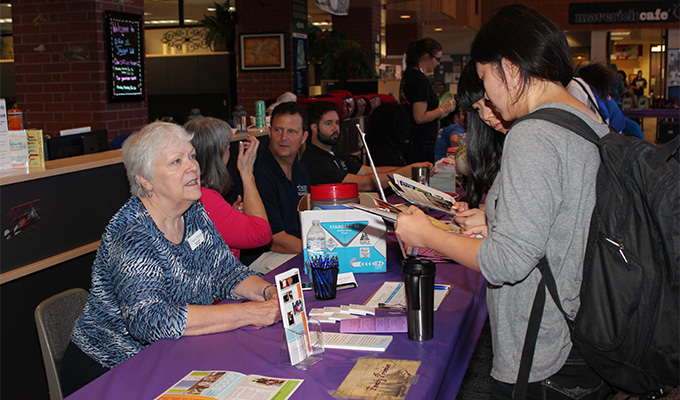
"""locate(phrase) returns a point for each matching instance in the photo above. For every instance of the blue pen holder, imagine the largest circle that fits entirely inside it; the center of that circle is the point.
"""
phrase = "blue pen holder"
(324, 274)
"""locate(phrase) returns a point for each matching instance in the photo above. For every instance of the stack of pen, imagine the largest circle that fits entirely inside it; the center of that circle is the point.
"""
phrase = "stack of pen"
(324, 271)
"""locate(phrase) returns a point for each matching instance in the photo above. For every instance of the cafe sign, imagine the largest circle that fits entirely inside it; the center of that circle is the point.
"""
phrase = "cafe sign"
(624, 12)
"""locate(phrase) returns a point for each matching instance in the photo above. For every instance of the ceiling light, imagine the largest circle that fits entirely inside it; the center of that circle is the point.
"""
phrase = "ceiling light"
(212, 9)
(405, 16)
(623, 33)
(438, 29)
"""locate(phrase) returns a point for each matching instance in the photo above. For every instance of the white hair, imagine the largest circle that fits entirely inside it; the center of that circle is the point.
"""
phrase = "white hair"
(142, 147)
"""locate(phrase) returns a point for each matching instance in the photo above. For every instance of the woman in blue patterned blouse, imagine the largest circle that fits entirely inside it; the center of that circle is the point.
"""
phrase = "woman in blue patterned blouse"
(161, 265)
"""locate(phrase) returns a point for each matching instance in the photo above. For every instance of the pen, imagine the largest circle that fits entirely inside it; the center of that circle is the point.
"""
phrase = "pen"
(397, 307)
(441, 287)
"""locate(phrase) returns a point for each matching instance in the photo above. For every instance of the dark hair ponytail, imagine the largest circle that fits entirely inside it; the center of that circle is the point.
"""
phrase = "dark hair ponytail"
(418, 48)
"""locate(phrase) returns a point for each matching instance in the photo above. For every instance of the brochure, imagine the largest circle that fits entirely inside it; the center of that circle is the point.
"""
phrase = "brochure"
(392, 296)
(422, 195)
(348, 341)
(36, 152)
(222, 385)
(293, 314)
(378, 379)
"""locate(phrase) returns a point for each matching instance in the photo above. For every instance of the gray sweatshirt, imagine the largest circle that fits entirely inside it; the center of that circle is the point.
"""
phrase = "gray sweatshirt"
(540, 204)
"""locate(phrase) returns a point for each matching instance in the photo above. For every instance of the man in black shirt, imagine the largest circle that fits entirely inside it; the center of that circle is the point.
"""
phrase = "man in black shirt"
(326, 165)
(639, 85)
(282, 180)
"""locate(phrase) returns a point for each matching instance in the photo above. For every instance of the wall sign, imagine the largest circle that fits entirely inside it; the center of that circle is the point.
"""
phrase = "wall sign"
(624, 12)
(125, 56)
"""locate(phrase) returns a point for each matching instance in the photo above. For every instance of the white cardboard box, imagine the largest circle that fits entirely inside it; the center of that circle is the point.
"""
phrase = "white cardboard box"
(356, 237)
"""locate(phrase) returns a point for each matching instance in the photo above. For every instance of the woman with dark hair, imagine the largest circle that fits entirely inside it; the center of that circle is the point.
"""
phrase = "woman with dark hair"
(386, 135)
(422, 57)
(539, 205)
(484, 143)
(247, 230)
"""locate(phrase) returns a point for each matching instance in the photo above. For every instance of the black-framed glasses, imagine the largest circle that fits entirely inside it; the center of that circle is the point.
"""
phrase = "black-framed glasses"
(439, 59)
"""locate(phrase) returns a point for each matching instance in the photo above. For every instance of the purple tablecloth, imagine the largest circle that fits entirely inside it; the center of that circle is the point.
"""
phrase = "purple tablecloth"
(445, 358)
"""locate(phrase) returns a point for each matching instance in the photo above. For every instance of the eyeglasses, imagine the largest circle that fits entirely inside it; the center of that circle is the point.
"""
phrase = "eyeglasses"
(439, 59)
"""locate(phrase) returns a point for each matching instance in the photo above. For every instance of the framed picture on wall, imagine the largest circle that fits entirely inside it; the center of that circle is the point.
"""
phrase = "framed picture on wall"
(262, 51)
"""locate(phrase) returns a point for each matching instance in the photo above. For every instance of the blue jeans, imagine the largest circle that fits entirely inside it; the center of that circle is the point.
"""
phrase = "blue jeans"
(575, 380)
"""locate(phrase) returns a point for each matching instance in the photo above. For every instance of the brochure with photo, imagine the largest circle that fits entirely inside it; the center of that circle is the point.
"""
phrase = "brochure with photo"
(293, 314)
(222, 385)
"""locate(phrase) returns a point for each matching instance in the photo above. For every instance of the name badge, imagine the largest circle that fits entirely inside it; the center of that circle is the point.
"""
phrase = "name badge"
(196, 239)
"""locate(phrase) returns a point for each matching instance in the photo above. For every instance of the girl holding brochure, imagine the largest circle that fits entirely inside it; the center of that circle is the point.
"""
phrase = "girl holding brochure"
(535, 208)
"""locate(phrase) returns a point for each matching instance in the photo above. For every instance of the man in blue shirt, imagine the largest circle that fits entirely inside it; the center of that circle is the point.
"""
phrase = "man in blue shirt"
(450, 135)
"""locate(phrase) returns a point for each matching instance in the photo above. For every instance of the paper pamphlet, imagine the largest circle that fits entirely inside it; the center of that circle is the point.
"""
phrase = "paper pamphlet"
(347, 341)
(222, 385)
(36, 152)
(376, 325)
(392, 295)
(5, 155)
(18, 148)
(422, 195)
(293, 314)
(378, 379)
(3, 115)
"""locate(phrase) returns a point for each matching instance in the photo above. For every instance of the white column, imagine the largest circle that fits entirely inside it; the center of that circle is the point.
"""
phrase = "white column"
(598, 46)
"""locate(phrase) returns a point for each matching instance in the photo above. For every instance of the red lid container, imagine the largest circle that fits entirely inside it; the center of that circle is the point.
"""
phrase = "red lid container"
(334, 191)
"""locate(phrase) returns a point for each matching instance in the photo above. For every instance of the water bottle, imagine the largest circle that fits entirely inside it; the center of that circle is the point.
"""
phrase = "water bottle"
(240, 119)
(316, 241)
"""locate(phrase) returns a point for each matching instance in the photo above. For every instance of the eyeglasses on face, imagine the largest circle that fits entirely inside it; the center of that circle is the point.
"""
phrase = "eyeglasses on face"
(439, 59)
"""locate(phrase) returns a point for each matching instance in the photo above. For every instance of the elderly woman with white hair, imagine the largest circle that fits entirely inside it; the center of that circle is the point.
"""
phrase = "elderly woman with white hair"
(161, 265)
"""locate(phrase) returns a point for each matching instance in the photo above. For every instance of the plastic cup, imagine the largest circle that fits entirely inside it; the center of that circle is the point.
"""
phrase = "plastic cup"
(324, 282)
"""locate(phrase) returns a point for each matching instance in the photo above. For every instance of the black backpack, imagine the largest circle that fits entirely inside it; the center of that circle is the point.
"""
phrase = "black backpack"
(627, 327)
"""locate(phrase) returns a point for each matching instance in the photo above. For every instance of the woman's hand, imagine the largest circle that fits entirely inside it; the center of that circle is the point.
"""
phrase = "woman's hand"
(448, 107)
(475, 231)
(247, 154)
(460, 206)
(469, 218)
(263, 313)
(413, 226)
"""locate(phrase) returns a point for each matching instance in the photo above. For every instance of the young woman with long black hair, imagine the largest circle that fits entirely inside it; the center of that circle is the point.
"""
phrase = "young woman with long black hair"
(539, 205)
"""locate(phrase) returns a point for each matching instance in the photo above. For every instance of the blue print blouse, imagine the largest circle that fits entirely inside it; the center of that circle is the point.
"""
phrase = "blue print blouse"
(142, 283)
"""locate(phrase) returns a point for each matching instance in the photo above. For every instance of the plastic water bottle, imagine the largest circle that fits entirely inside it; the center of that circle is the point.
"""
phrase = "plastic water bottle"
(316, 240)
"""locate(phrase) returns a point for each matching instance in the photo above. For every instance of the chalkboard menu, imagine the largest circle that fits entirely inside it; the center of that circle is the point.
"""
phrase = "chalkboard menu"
(125, 56)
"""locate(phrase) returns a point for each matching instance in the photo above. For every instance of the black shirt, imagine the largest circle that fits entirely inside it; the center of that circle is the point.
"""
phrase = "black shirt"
(325, 167)
(414, 88)
(280, 197)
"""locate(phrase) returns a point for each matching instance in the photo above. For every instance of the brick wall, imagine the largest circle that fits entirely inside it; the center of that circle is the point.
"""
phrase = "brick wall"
(264, 17)
(362, 24)
(56, 94)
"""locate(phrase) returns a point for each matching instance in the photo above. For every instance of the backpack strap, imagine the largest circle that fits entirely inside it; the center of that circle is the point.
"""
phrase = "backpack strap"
(566, 120)
(573, 123)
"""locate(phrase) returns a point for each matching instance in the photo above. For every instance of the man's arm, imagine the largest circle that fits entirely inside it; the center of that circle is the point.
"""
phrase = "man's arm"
(283, 242)
(366, 182)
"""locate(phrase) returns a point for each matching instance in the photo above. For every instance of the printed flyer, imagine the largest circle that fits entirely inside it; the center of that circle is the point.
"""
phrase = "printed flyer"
(223, 385)
(293, 314)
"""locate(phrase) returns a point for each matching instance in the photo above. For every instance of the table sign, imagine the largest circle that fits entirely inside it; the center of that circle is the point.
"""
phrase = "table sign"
(304, 350)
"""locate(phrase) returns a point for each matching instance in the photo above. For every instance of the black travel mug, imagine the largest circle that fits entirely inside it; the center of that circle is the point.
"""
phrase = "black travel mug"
(419, 284)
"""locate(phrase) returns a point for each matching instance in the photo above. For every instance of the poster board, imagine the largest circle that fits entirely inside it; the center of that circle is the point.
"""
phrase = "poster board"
(124, 56)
